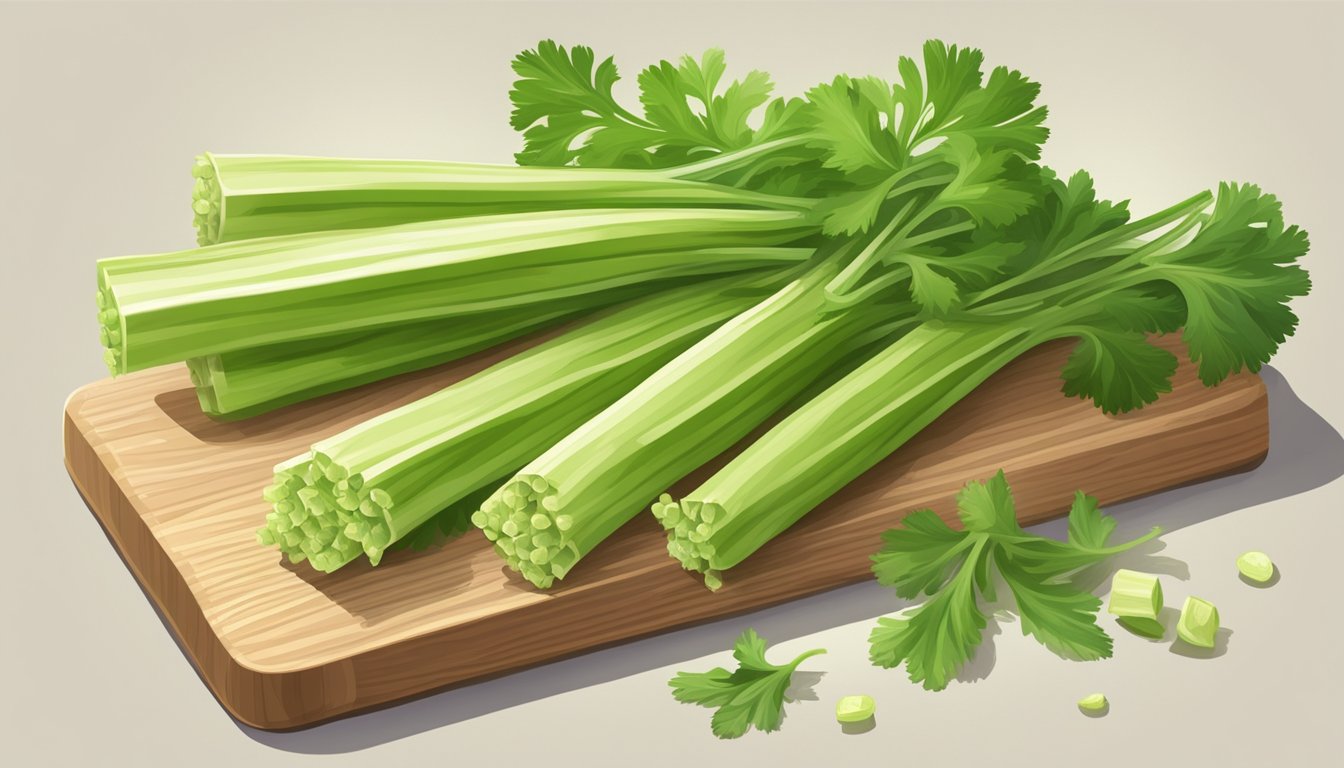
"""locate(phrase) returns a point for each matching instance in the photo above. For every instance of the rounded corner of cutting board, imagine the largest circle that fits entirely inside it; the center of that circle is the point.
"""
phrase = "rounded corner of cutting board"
(281, 699)
(77, 397)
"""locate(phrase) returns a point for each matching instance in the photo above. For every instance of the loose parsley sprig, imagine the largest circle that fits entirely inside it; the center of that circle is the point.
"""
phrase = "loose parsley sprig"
(751, 695)
(925, 556)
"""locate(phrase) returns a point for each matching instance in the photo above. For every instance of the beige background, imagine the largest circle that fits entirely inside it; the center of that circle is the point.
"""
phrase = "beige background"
(103, 106)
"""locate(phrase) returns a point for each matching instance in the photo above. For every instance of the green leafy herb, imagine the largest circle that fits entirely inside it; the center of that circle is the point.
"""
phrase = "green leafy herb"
(751, 695)
(563, 104)
(953, 568)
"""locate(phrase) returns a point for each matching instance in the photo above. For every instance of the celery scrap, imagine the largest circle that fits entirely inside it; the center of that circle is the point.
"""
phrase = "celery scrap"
(1198, 624)
(855, 709)
(1137, 599)
(1093, 703)
(1256, 566)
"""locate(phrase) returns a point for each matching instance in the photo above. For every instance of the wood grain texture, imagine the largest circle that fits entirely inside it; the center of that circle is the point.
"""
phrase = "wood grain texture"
(282, 646)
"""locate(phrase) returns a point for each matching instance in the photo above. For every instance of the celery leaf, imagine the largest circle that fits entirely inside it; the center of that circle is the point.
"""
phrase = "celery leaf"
(934, 639)
(988, 507)
(926, 557)
(1236, 276)
(918, 557)
(1058, 615)
(752, 695)
(668, 92)
(564, 105)
(559, 96)
(1119, 371)
(1088, 527)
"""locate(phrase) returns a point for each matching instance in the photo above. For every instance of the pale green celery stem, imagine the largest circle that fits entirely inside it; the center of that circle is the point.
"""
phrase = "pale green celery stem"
(246, 382)
(401, 468)
(692, 409)
(171, 307)
(715, 167)
(847, 429)
(237, 197)
(844, 281)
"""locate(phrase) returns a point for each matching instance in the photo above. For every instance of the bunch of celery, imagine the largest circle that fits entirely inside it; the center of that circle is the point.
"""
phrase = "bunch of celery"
(844, 266)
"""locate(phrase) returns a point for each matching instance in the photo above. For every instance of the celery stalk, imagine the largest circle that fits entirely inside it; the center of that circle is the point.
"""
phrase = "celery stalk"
(366, 488)
(832, 439)
(237, 197)
(566, 501)
(167, 308)
(246, 382)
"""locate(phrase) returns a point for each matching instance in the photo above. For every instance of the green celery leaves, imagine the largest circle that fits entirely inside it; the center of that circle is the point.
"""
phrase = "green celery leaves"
(751, 695)
(927, 557)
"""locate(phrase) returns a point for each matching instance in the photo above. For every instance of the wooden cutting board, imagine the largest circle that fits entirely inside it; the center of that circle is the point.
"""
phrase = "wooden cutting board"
(283, 646)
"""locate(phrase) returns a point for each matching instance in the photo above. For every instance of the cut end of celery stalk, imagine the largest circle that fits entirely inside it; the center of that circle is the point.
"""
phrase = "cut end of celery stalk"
(325, 515)
(203, 381)
(1136, 598)
(689, 525)
(524, 521)
(206, 201)
(110, 331)
(1198, 624)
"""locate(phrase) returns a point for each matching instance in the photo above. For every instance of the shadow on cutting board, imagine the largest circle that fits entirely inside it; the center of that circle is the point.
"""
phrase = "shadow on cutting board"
(1305, 453)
